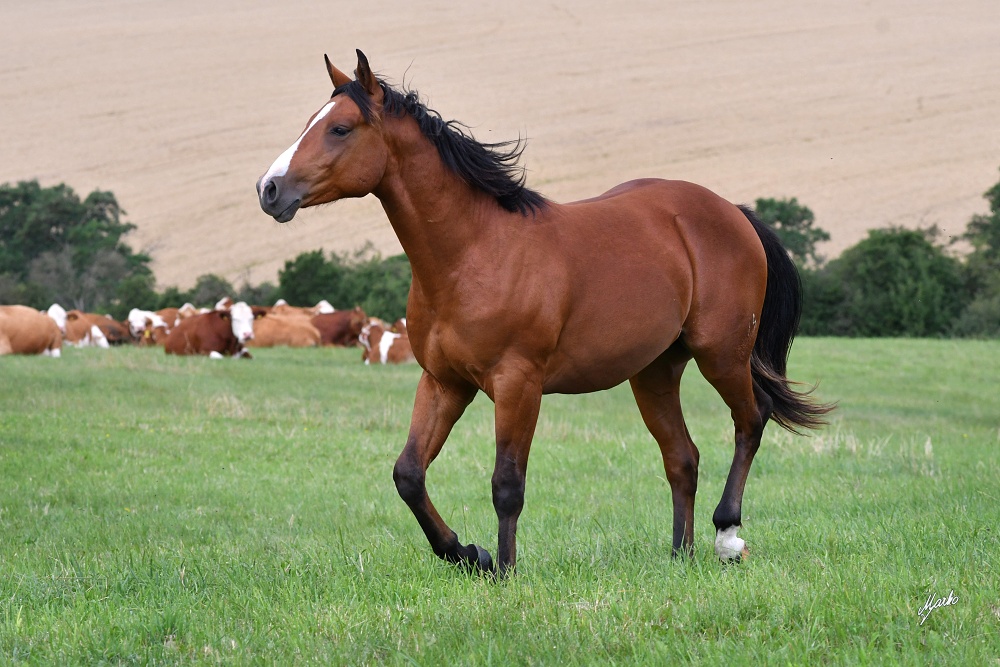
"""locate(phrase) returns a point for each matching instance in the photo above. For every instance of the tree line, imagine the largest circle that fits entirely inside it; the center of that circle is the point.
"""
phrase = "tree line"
(58, 248)
(896, 281)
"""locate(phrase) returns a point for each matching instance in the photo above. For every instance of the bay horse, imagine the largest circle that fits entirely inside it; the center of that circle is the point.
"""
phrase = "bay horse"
(518, 296)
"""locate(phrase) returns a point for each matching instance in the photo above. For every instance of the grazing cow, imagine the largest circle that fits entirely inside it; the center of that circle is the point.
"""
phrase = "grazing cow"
(289, 330)
(24, 330)
(217, 333)
(384, 347)
(340, 328)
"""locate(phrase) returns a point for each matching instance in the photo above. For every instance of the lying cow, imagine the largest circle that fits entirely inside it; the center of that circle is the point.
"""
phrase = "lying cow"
(217, 333)
(24, 330)
(340, 328)
(281, 307)
(289, 330)
(92, 329)
(384, 347)
(88, 329)
(147, 327)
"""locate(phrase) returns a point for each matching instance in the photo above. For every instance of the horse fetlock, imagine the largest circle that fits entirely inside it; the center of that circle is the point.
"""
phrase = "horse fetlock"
(729, 547)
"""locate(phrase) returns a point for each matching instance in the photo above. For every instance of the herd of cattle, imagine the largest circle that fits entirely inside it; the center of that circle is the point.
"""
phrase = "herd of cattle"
(224, 331)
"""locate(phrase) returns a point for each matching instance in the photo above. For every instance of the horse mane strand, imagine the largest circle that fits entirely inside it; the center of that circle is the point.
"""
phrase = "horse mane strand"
(490, 167)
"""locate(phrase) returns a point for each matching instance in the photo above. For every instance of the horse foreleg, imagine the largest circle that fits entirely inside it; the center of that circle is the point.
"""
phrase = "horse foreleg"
(518, 399)
(436, 408)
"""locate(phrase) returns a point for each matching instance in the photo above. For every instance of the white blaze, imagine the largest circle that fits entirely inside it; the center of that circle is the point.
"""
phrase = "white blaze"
(280, 166)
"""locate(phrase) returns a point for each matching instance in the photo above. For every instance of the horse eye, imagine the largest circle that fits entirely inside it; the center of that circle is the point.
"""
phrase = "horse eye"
(340, 131)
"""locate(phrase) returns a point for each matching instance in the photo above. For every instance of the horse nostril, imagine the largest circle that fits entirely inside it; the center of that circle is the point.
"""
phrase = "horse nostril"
(270, 193)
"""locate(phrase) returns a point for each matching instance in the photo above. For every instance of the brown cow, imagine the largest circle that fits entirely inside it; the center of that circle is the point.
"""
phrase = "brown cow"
(340, 328)
(91, 329)
(289, 330)
(217, 333)
(383, 346)
(281, 307)
(24, 330)
(169, 315)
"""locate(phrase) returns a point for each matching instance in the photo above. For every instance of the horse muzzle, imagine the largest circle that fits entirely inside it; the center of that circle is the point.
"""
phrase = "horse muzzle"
(277, 199)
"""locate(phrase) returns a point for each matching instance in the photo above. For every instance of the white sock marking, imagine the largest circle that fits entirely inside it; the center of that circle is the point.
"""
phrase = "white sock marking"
(727, 545)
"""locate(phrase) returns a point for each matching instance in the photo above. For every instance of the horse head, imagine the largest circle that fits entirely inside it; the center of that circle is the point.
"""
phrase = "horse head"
(340, 153)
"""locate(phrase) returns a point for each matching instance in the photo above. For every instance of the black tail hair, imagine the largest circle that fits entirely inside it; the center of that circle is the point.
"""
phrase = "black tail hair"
(779, 321)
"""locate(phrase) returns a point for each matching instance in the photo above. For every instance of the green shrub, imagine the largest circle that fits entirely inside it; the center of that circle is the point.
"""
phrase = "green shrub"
(897, 282)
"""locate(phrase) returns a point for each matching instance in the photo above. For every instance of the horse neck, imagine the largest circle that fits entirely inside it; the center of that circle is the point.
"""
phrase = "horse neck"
(437, 217)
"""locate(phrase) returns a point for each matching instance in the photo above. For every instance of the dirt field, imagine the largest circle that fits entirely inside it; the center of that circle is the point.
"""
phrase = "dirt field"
(870, 112)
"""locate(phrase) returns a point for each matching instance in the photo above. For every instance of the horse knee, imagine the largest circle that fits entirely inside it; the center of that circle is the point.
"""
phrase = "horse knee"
(508, 490)
(683, 474)
(409, 478)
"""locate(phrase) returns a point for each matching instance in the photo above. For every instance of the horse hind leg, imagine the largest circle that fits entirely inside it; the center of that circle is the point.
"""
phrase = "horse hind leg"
(657, 393)
(750, 407)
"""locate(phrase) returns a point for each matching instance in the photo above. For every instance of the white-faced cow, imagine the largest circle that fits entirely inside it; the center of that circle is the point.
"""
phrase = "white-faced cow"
(219, 333)
(147, 327)
(24, 330)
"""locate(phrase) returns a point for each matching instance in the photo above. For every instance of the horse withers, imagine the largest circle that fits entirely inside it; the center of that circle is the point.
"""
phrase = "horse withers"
(517, 296)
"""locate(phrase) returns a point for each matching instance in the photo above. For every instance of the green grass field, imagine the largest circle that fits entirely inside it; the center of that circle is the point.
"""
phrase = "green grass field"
(161, 510)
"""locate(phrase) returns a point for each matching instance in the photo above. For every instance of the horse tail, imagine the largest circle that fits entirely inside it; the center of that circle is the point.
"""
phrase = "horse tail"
(779, 321)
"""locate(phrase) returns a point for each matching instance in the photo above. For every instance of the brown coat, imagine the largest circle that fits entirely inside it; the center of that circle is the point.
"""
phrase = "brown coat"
(289, 330)
(206, 333)
(384, 347)
(79, 324)
(340, 328)
(24, 330)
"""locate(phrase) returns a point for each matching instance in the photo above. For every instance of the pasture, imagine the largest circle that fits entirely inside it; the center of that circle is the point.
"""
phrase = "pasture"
(178, 510)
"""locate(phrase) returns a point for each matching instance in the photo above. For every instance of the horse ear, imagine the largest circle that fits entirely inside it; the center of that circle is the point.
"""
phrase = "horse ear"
(336, 76)
(367, 79)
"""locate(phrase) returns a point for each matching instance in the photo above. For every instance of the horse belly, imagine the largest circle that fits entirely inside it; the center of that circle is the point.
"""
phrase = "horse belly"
(609, 351)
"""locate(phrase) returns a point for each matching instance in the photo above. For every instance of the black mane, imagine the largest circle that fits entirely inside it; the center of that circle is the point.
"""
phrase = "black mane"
(492, 168)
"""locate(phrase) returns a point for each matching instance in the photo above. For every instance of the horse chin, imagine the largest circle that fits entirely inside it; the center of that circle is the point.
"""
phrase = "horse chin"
(289, 212)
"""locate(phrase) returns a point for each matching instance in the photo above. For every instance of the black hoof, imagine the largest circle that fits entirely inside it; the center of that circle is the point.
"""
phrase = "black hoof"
(484, 560)
(474, 560)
